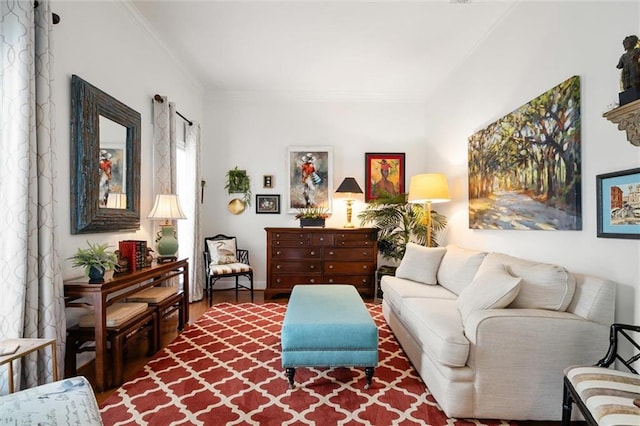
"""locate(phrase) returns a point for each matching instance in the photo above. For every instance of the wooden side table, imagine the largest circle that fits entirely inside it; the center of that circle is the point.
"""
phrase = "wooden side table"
(380, 272)
(25, 347)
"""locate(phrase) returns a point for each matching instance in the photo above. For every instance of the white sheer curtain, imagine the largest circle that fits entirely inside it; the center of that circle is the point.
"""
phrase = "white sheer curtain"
(196, 267)
(32, 304)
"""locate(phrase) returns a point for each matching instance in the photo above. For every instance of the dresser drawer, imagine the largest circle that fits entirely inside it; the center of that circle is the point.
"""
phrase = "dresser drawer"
(288, 281)
(361, 281)
(281, 267)
(349, 267)
(349, 254)
(285, 253)
(290, 243)
(353, 239)
(318, 239)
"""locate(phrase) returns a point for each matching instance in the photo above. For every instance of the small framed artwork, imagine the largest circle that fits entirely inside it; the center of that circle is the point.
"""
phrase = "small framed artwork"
(267, 204)
(267, 181)
(309, 177)
(384, 174)
(619, 204)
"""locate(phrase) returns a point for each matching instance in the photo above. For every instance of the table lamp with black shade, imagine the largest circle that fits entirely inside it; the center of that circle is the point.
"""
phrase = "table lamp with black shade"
(349, 186)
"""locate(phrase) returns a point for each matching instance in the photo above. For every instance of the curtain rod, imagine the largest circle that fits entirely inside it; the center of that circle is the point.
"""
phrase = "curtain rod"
(158, 98)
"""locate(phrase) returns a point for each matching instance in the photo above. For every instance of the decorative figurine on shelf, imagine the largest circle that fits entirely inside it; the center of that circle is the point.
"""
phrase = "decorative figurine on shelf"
(149, 258)
(630, 75)
(123, 263)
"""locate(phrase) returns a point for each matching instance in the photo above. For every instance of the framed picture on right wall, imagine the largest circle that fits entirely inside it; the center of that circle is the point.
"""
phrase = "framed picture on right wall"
(619, 204)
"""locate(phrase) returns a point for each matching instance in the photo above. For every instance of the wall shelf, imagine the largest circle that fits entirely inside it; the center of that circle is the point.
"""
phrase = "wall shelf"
(627, 117)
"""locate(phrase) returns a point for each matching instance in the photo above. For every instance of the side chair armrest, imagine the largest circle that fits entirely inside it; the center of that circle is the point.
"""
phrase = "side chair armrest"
(616, 331)
(243, 256)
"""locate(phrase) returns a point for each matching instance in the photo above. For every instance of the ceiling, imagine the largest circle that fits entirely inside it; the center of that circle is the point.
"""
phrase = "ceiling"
(371, 50)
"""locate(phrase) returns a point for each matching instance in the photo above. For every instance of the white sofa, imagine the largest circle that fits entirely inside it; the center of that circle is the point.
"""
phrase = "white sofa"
(491, 334)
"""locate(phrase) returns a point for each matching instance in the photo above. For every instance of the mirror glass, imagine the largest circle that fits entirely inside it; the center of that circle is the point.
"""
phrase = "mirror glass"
(105, 161)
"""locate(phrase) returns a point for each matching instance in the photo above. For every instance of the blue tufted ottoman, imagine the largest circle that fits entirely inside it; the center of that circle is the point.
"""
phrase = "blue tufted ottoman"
(328, 326)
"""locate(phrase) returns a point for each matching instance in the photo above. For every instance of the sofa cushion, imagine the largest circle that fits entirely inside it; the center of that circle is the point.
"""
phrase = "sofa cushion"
(543, 286)
(491, 289)
(458, 267)
(437, 324)
(420, 263)
(395, 289)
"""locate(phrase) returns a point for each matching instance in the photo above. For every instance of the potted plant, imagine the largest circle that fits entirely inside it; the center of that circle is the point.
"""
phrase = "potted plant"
(95, 260)
(239, 182)
(399, 222)
(312, 216)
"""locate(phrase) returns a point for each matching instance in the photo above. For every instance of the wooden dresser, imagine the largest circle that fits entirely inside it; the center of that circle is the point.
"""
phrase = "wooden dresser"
(320, 256)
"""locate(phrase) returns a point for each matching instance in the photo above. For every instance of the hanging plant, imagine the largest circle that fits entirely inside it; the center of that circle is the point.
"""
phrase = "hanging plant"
(238, 182)
(399, 222)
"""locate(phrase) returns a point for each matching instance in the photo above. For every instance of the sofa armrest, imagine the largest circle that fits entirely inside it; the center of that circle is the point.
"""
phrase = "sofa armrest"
(515, 353)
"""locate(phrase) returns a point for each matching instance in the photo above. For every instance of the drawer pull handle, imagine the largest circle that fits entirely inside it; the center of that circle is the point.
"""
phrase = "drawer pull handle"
(312, 280)
(279, 280)
(331, 281)
(321, 238)
(277, 243)
(364, 253)
(342, 243)
(313, 253)
(364, 281)
(278, 266)
(278, 252)
(330, 266)
(330, 253)
(301, 242)
(312, 267)
(365, 267)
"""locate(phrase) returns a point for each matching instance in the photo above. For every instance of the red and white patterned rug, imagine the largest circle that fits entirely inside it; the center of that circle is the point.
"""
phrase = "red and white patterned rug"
(225, 369)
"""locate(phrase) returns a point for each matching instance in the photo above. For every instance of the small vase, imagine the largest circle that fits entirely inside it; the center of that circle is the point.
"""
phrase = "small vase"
(96, 274)
(312, 222)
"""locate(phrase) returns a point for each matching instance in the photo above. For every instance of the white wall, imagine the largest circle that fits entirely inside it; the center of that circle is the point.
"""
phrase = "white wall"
(536, 47)
(104, 44)
(533, 49)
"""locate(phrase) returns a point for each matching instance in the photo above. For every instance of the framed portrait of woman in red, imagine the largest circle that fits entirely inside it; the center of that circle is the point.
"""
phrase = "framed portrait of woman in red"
(384, 174)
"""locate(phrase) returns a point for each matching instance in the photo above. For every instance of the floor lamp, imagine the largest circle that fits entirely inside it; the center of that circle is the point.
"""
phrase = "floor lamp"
(428, 188)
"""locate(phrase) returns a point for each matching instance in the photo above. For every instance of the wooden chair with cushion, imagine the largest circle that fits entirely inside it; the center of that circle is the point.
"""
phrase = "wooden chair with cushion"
(606, 396)
(223, 258)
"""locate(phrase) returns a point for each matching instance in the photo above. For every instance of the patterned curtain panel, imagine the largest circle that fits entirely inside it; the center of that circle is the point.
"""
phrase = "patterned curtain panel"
(164, 147)
(32, 304)
(196, 261)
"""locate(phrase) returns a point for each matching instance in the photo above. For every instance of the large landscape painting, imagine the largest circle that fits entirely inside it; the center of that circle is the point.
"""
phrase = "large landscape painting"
(524, 169)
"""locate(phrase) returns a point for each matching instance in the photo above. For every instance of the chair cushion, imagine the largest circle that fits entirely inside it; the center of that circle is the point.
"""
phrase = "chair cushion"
(222, 252)
(152, 294)
(607, 393)
(231, 268)
(420, 263)
(117, 314)
(396, 289)
(491, 289)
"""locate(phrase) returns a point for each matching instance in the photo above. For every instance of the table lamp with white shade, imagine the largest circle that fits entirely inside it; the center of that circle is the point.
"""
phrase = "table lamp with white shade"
(428, 188)
(167, 208)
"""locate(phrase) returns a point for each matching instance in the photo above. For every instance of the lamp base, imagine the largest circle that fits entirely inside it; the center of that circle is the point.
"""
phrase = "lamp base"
(349, 225)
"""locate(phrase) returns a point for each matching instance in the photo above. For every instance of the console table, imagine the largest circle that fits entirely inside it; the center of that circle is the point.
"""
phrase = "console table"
(320, 256)
(124, 285)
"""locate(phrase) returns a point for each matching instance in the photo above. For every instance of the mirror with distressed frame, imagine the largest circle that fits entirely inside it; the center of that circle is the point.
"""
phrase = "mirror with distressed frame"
(105, 162)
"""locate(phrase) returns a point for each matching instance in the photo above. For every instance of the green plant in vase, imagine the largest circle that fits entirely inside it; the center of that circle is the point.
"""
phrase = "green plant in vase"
(399, 222)
(312, 216)
(95, 260)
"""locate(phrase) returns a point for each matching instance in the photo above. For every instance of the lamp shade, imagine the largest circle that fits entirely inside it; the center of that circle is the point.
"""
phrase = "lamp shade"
(349, 184)
(167, 207)
(426, 187)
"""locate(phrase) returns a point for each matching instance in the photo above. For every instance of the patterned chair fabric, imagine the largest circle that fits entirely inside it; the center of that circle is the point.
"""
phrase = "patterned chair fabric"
(606, 396)
(223, 259)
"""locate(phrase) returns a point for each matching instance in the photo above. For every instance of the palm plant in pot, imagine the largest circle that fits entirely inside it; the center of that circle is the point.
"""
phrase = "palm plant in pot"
(399, 222)
(95, 260)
